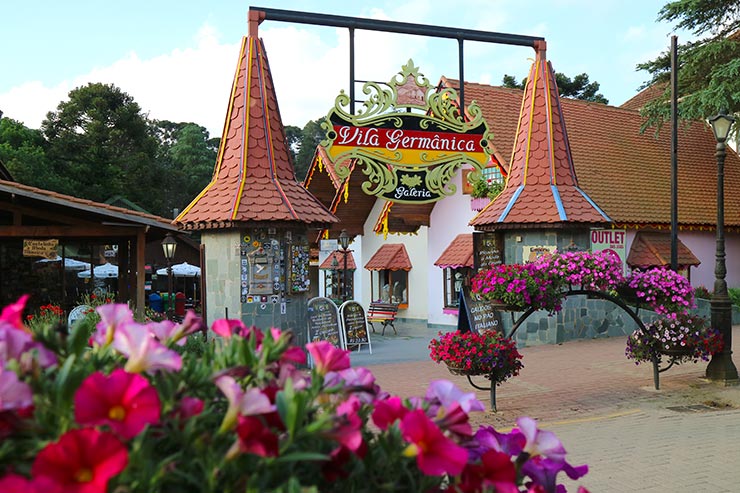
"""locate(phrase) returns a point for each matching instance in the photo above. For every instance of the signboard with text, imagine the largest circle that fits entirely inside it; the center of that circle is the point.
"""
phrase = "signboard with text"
(612, 240)
(408, 156)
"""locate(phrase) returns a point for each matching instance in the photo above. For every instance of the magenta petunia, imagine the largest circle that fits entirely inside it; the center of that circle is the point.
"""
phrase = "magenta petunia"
(15, 483)
(388, 411)
(82, 461)
(327, 357)
(126, 402)
(435, 453)
(14, 394)
(111, 317)
(13, 313)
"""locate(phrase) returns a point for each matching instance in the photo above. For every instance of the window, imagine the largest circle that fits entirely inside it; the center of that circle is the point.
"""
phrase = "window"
(454, 280)
(391, 286)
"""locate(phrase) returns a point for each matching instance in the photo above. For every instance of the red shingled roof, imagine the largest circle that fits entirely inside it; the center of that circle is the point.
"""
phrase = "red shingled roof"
(390, 256)
(339, 255)
(459, 253)
(253, 179)
(626, 171)
(654, 250)
(542, 185)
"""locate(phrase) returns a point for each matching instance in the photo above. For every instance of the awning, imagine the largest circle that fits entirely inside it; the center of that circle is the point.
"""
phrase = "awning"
(654, 250)
(391, 256)
(339, 255)
(459, 253)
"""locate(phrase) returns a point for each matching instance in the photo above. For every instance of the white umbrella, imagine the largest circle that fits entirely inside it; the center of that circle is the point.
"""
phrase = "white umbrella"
(100, 271)
(69, 263)
(181, 270)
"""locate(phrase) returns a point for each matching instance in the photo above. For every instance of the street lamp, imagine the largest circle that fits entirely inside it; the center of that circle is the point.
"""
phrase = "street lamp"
(169, 245)
(721, 367)
(344, 243)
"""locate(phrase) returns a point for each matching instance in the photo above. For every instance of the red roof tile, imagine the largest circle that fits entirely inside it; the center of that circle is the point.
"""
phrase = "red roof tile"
(626, 171)
(339, 255)
(253, 179)
(654, 250)
(542, 185)
(459, 253)
(390, 256)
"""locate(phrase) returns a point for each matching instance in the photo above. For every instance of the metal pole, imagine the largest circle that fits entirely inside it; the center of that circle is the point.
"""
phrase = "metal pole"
(345, 291)
(170, 301)
(674, 154)
(721, 367)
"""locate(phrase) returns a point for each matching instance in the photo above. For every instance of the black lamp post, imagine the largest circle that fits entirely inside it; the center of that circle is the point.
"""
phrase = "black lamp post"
(169, 245)
(344, 243)
(721, 367)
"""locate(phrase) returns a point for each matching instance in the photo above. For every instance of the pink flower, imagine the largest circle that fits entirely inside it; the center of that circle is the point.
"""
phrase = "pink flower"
(435, 453)
(14, 483)
(327, 357)
(124, 401)
(143, 351)
(387, 412)
(13, 314)
(348, 425)
(540, 442)
(14, 394)
(229, 327)
(189, 407)
(82, 461)
(248, 403)
(111, 316)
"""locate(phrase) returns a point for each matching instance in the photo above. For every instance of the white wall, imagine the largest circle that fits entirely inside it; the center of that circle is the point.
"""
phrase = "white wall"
(416, 247)
(450, 218)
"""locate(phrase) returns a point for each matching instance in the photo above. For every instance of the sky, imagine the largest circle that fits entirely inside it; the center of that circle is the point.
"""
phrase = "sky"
(177, 58)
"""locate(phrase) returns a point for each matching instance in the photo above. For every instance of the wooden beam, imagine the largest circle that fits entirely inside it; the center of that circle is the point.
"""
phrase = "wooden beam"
(140, 274)
(45, 214)
(67, 231)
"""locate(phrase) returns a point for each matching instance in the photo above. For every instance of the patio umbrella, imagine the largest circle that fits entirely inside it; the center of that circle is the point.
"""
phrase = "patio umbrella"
(181, 270)
(101, 271)
(69, 263)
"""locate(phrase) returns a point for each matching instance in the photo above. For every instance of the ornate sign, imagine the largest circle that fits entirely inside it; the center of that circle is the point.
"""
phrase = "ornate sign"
(409, 139)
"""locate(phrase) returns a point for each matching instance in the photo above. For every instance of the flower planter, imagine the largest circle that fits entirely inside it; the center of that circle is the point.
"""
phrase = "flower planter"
(503, 307)
(456, 370)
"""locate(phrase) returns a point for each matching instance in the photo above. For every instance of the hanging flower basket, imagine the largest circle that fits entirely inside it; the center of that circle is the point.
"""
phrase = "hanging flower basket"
(478, 203)
(489, 354)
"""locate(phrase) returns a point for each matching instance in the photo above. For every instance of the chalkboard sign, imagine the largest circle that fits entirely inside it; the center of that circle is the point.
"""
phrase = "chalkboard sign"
(354, 325)
(487, 250)
(477, 315)
(323, 322)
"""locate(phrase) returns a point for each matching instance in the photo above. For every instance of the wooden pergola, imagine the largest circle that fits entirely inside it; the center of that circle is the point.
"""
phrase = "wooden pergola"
(28, 213)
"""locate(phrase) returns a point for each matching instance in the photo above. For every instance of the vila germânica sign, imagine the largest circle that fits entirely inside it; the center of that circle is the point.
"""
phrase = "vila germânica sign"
(409, 139)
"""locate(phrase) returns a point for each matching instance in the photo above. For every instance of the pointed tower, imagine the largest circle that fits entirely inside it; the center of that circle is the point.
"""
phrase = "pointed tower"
(542, 188)
(253, 215)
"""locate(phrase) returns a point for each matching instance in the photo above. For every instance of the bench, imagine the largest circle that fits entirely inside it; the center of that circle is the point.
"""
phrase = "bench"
(384, 313)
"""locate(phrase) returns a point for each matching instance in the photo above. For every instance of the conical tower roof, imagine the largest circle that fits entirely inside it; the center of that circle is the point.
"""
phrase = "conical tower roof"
(542, 187)
(253, 182)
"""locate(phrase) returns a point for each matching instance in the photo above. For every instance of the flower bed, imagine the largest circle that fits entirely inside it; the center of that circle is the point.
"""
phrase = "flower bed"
(467, 353)
(122, 406)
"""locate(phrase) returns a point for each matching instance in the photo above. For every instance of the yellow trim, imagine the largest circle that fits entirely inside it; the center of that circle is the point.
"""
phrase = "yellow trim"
(531, 117)
(551, 154)
(245, 140)
(227, 122)
(516, 135)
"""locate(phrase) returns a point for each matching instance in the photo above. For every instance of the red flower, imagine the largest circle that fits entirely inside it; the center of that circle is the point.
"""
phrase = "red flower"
(14, 483)
(387, 411)
(82, 461)
(435, 453)
(124, 401)
(256, 438)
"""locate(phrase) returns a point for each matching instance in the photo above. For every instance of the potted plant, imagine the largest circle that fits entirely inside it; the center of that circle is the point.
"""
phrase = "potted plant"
(660, 288)
(682, 337)
(467, 353)
(484, 190)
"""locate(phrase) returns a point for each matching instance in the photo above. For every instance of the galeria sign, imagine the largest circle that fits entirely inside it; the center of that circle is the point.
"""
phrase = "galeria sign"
(409, 138)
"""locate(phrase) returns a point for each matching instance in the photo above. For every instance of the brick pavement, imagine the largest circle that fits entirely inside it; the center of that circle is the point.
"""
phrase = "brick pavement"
(685, 436)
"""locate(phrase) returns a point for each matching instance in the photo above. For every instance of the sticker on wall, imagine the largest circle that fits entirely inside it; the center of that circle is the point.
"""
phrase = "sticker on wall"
(274, 299)
(282, 308)
(250, 299)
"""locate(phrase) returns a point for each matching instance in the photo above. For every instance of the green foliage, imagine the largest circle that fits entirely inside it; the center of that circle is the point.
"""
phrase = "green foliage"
(487, 188)
(709, 67)
(22, 150)
(579, 87)
(311, 136)
(734, 294)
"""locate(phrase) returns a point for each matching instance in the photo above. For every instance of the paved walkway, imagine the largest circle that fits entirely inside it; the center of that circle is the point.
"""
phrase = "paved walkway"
(605, 409)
